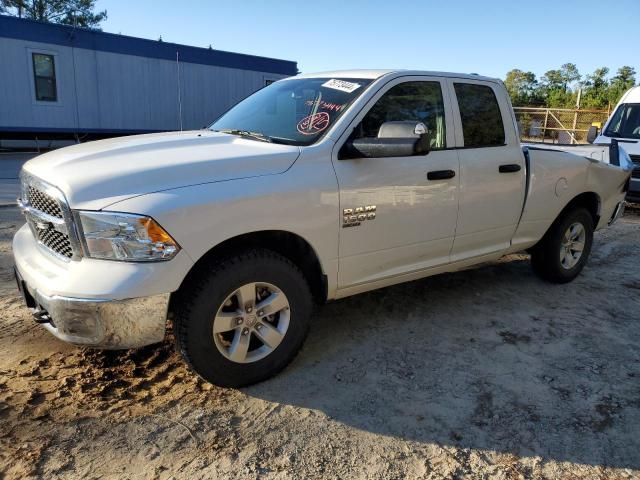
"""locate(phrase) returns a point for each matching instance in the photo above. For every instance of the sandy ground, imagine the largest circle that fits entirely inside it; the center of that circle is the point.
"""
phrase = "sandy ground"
(488, 373)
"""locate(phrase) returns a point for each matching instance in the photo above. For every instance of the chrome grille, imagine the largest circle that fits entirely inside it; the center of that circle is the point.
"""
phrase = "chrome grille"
(41, 201)
(56, 241)
(49, 217)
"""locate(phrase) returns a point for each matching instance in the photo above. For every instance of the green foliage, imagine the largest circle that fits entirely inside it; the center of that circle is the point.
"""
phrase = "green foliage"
(80, 13)
(522, 87)
(624, 79)
(559, 87)
(595, 88)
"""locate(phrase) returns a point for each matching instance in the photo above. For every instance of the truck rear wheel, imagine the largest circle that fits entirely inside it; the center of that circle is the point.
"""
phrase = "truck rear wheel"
(562, 253)
(244, 319)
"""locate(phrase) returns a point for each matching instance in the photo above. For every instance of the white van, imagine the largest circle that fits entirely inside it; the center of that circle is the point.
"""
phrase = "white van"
(624, 126)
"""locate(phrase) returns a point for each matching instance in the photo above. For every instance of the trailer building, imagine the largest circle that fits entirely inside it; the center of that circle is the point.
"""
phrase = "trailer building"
(62, 80)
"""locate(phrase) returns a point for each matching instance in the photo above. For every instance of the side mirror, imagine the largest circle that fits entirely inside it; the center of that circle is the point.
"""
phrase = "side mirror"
(592, 134)
(395, 139)
(614, 152)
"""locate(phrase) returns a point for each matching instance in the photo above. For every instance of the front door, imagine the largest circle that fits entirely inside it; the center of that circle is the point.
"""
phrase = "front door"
(409, 220)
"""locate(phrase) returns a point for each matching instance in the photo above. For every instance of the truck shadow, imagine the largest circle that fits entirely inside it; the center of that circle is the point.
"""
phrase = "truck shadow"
(490, 359)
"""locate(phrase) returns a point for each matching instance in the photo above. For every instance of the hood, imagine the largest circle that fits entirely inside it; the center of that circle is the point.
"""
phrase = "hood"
(96, 174)
(631, 145)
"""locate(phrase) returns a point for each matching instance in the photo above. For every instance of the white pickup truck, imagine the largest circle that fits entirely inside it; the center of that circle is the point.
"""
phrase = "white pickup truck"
(314, 188)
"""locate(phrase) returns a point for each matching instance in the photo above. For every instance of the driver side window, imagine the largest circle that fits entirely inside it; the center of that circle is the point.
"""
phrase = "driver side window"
(410, 101)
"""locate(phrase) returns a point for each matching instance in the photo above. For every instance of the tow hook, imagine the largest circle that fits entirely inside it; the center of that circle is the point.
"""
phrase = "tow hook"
(41, 316)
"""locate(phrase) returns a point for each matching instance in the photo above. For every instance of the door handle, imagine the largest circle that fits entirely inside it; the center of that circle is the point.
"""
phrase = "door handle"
(509, 168)
(441, 174)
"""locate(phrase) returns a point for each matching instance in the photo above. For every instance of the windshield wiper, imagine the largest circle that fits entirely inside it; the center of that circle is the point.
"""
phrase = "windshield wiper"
(247, 134)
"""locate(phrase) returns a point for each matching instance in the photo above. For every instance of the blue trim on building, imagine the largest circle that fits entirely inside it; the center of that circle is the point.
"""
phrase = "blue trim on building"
(48, 133)
(105, 131)
(68, 36)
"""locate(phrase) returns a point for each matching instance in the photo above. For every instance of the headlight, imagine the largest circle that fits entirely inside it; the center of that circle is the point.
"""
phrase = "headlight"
(124, 236)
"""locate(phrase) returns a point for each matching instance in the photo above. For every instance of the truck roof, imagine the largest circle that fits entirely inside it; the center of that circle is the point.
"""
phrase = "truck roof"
(377, 73)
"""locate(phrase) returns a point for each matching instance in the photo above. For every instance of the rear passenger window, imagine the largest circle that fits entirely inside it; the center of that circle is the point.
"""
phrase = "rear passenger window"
(481, 119)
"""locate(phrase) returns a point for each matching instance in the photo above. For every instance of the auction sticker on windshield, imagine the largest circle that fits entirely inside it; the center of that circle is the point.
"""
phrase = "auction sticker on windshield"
(341, 85)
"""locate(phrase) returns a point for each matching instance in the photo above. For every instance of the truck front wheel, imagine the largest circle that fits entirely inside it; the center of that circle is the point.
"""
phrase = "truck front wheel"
(242, 320)
(562, 253)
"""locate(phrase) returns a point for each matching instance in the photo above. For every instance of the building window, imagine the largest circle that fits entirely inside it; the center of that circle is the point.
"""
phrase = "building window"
(44, 74)
(480, 114)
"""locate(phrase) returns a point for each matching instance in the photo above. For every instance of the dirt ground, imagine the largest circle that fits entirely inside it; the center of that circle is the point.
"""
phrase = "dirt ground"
(488, 373)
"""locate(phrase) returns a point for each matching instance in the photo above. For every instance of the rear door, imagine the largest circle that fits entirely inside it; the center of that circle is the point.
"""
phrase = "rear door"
(492, 169)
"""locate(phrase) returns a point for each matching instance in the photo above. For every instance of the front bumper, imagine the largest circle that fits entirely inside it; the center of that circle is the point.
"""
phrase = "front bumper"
(110, 324)
(100, 323)
(97, 303)
(633, 195)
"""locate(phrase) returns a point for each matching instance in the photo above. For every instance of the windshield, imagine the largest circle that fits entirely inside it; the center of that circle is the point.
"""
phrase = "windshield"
(625, 122)
(295, 112)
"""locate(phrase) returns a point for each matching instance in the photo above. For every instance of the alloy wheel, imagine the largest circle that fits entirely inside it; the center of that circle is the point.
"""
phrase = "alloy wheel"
(572, 245)
(251, 322)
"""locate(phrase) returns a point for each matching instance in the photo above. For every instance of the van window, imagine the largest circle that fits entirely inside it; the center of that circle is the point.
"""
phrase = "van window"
(480, 114)
(625, 122)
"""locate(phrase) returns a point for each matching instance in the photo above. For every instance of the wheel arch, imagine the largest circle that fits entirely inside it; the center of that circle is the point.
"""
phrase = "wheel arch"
(589, 200)
(290, 245)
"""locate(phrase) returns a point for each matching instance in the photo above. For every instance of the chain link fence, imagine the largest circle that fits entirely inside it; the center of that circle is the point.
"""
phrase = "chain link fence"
(557, 125)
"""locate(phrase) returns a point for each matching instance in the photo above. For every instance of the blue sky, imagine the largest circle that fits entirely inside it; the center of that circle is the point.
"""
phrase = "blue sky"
(482, 36)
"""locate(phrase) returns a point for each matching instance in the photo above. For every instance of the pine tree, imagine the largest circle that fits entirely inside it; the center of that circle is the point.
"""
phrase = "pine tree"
(79, 13)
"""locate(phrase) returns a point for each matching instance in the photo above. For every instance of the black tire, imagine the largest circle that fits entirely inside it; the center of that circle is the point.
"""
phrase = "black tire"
(545, 256)
(198, 302)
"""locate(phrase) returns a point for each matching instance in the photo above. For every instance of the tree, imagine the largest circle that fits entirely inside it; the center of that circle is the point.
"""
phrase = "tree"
(624, 79)
(595, 89)
(80, 13)
(559, 87)
(556, 86)
(522, 87)
(597, 80)
(553, 89)
(570, 74)
(552, 80)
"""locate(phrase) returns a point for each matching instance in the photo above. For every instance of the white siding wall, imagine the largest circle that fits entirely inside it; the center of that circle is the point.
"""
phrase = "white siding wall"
(116, 92)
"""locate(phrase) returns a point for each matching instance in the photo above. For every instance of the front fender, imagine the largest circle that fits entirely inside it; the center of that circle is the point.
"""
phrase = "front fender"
(302, 201)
